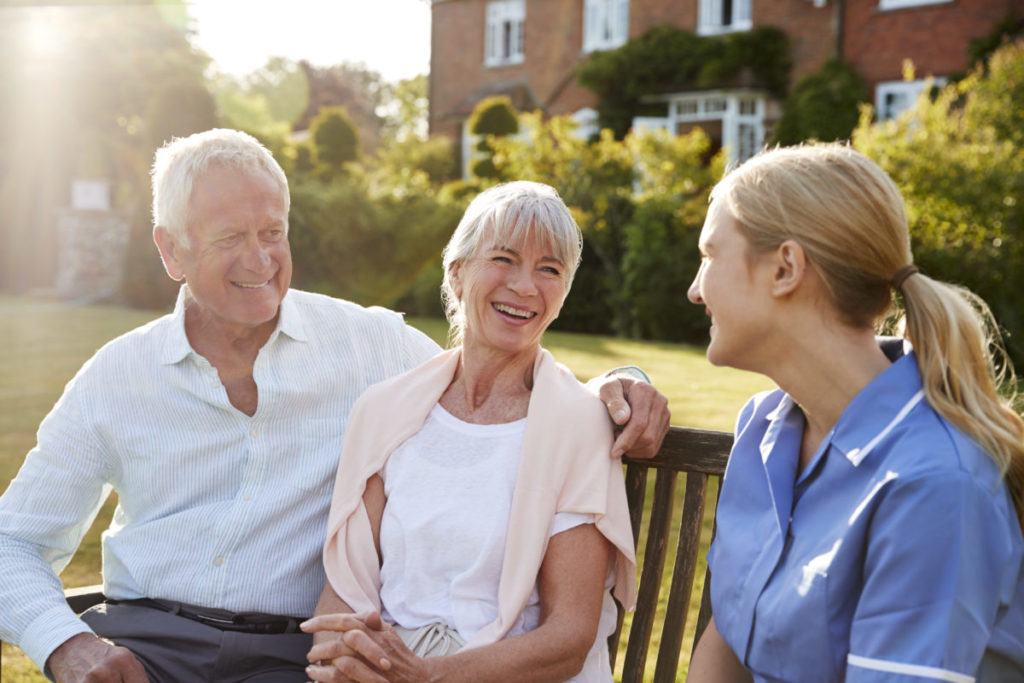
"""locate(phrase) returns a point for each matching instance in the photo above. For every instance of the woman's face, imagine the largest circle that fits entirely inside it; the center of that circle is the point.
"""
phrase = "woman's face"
(510, 294)
(726, 286)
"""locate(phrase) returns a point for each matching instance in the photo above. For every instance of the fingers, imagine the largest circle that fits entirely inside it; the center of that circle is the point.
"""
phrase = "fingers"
(612, 394)
(363, 644)
(344, 669)
(648, 423)
(335, 622)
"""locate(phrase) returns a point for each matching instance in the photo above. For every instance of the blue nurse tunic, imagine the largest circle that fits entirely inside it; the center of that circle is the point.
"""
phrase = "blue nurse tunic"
(895, 555)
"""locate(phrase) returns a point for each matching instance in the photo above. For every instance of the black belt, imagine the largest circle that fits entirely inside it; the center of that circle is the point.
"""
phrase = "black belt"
(244, 622)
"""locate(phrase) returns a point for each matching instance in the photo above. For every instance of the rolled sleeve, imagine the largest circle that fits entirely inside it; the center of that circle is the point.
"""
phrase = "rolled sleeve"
(935, 580)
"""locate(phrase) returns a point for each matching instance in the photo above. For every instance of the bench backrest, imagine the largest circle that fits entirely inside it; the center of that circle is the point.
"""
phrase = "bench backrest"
(701, 455)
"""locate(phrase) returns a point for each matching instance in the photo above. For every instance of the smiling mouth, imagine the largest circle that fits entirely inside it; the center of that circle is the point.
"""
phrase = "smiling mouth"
(246, 285)
(514, 312)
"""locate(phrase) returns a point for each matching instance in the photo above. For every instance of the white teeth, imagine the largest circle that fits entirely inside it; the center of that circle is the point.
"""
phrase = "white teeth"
(508, 310)
(248, 286)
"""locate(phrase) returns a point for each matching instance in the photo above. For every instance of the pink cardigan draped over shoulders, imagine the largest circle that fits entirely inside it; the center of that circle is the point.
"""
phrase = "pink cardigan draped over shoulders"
(565, 466)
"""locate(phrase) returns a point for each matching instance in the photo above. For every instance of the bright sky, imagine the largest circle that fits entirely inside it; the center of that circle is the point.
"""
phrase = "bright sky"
(391, 37)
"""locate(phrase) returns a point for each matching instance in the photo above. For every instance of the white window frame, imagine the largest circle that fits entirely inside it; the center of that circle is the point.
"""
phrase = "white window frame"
(710, 19)
(586, 122)
(605, 24)
(901, 4)
(503, 37)
(908, 90)
(741, 113)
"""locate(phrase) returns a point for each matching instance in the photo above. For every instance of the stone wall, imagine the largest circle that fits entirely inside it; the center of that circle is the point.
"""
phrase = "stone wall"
(91, 251)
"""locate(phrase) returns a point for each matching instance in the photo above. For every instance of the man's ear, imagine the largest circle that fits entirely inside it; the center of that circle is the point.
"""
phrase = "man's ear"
(169, 252)
(790, 268)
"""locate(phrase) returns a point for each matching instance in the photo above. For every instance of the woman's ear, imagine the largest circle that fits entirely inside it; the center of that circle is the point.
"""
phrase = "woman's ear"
(454, 280)
(790, 268)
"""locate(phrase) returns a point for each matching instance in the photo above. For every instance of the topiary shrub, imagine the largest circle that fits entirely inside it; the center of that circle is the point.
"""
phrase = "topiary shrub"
(822, 106)
(334, 136)
(492, 116)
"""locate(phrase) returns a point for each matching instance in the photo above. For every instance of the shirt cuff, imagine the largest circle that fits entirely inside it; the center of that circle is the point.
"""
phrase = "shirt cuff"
(48, 631)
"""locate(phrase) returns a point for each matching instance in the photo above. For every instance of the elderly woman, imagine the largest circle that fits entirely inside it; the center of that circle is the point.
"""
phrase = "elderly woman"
(476, 508)
(869, 525)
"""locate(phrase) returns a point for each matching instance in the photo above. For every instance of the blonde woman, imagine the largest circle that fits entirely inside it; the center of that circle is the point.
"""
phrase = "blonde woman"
(869, 526)
(478, 522)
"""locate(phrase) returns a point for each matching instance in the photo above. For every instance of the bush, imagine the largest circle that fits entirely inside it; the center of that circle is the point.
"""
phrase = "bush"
(367, 237)
(822, 106)
(959, 162)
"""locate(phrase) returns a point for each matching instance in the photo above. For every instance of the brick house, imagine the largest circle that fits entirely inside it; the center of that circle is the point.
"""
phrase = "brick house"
(529, 50)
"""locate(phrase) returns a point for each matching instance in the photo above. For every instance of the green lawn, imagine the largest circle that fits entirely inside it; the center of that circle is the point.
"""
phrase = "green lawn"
(43, 343)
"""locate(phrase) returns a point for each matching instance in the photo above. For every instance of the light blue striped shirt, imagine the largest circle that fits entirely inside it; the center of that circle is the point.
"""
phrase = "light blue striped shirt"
(215, 508)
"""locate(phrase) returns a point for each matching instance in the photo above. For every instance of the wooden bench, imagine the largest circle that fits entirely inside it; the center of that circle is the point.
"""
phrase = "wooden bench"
(700, 455)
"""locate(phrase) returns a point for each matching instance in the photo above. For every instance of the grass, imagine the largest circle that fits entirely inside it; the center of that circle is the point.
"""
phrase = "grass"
(43, 343)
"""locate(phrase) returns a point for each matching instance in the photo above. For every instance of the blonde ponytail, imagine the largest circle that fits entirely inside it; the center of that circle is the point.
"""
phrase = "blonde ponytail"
(965, 373)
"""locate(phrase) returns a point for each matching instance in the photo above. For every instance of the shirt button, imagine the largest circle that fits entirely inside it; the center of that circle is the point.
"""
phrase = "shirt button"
(255, 431)
(218, 561)
(246, 496)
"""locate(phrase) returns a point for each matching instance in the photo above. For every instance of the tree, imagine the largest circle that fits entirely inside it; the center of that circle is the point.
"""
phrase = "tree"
(359, 90)
(91, 90)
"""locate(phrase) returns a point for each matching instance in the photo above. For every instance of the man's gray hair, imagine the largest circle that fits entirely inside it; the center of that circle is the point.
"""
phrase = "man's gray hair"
(182, 160)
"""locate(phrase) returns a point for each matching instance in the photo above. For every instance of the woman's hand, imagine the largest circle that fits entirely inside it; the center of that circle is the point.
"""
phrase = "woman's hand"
(369, 652)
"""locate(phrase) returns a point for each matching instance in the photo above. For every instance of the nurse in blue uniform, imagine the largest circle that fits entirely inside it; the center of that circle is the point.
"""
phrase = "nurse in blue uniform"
(869, 525)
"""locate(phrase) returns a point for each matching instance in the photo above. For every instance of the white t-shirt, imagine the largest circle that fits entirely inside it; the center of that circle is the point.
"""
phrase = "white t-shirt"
(449, 495)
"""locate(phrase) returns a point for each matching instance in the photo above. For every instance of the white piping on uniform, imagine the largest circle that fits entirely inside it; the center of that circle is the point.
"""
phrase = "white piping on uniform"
(858, 454)
(908, 669)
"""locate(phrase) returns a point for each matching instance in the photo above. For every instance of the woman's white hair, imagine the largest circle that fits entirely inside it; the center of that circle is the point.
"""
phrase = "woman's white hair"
(182, 160)
(508, 215)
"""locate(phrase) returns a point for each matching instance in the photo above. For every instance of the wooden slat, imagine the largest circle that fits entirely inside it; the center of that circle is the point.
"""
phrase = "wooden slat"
(691, 450)
(650, 577)
(691, 522)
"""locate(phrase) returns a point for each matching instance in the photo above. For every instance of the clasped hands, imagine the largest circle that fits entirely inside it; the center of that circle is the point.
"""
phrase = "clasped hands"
(362, 648)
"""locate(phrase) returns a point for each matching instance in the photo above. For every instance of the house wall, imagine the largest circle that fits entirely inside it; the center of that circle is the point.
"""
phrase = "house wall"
(552, 50)
(934, 37)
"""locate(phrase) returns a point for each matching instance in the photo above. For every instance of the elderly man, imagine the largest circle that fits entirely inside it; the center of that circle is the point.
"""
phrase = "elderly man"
(219, 426)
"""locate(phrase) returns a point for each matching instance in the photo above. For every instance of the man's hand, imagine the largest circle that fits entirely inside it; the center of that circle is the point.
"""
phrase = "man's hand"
(90, 659)
(640, 410)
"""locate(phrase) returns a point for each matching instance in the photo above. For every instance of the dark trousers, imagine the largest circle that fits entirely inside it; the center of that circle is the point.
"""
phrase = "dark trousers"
(174, 649)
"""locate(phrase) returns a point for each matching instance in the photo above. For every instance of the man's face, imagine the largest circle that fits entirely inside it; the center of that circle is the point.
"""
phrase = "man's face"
(238, 263)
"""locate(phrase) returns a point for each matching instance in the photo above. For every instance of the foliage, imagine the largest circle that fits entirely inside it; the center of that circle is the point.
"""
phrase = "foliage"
(90, 91)
(406, 110)
(367, 236)
(335, 141)
(822, 106)
(959, 161)
(436, 157)
(640, 203)
(492, 117)
(265, 102)
(361, 91)
(667, 59)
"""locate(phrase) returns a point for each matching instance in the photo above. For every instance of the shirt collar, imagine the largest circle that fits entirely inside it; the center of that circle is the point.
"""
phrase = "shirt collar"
(176, 346)
(880, 406)
(868, 417)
